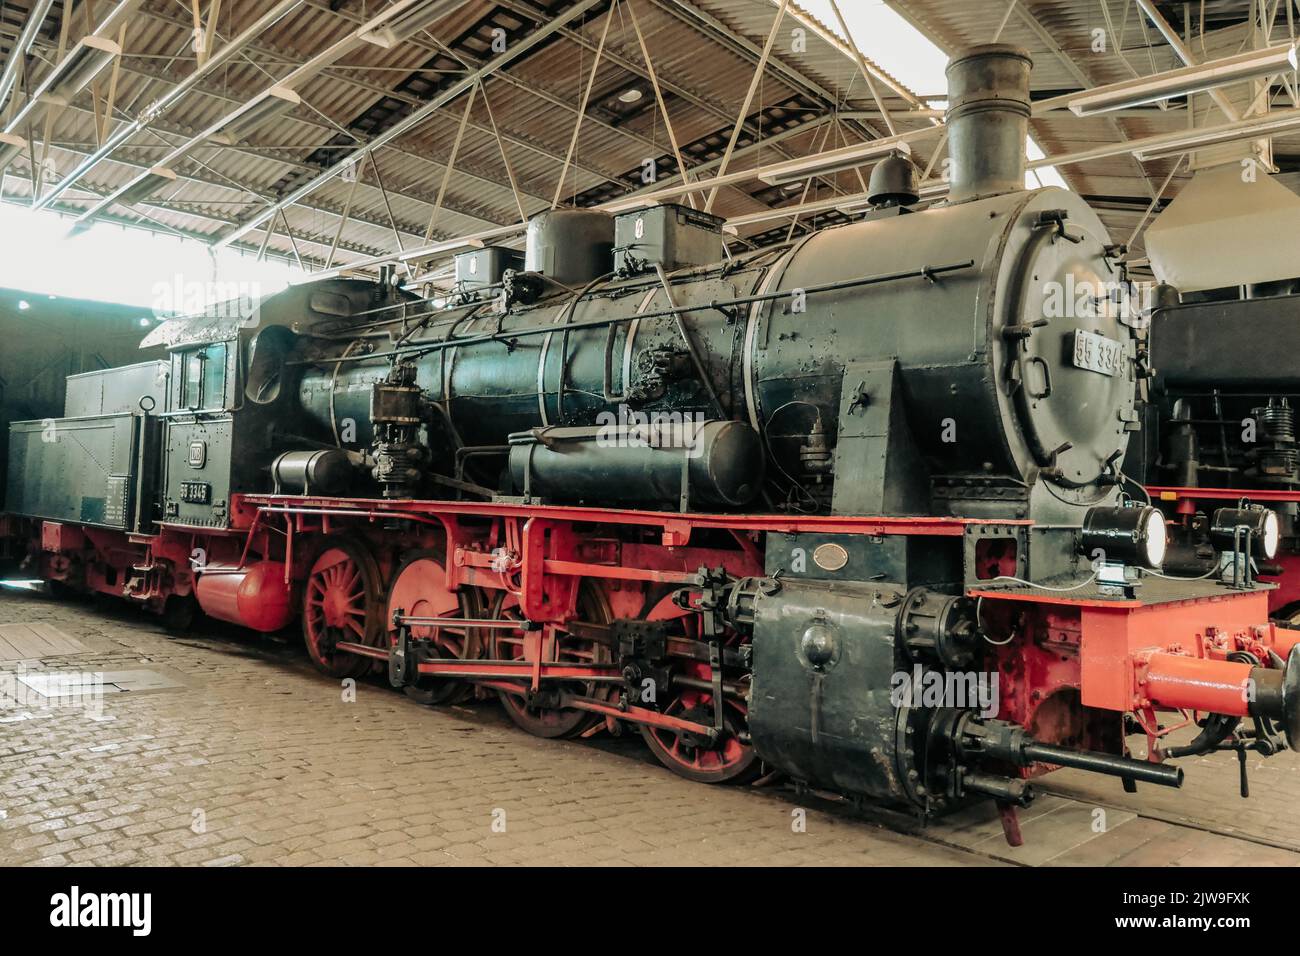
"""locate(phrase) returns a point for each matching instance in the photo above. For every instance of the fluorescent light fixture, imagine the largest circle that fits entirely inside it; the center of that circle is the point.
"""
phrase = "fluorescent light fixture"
(11, 147)
(835, 161)
(407, 22)
(1173, 146)
(74, 72)
(1142, 91)
(146, 185)
(267, 105)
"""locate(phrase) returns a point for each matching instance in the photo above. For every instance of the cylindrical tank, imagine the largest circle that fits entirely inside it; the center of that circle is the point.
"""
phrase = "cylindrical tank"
(256, 597)
(323, 472)
(719, 462)
(571, 246)
(988, 120)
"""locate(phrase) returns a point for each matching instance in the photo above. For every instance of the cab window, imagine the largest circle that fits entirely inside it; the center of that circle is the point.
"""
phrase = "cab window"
(203, 377)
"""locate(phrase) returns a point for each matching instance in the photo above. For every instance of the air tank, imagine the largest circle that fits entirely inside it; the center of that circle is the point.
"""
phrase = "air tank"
(257, 596)
(715, 463)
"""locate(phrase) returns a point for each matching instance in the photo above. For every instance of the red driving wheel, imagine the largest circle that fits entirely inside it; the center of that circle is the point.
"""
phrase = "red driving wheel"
(508, 645)
(728, 759)
(419, 589)
(342, 602)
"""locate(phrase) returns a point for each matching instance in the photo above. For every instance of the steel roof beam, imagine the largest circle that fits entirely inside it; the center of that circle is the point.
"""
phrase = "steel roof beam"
(614, 57)
(632, 67)
(1049, 41)
(129, 129)
(299, 75)
(862, 65)
(851, 51)
(742, 152)
(116, 17)
(1183, 53)
(261, 151)
(35, 17)
(341, 74)
(216, 181)
(759, 71)
(158, 128)
(513, 140)
(713, 28)
(290, 163)
(502, 76)
(473, 63)
(415, 119)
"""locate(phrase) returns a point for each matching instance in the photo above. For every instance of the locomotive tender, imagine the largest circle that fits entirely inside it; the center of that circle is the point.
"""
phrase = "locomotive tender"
(735, 503)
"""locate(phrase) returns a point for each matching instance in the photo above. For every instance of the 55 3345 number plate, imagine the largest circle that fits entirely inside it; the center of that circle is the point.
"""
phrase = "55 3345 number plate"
(1098, 353)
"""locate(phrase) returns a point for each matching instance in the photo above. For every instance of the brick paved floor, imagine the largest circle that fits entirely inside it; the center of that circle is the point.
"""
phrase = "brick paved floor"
(278, 769)
(259, 760)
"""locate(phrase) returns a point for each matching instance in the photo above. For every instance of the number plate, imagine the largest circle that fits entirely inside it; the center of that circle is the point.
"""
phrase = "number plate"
(1097, 353)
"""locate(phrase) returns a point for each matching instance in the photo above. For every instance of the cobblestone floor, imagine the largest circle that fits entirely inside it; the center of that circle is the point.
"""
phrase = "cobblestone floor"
(267, 761)
(256, 759)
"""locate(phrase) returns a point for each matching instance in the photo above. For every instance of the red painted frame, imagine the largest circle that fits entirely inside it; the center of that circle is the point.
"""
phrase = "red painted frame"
(1100, 650)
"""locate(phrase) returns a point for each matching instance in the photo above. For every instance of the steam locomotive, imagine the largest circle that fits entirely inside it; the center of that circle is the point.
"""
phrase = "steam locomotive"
(1220, 425)
(852, 509)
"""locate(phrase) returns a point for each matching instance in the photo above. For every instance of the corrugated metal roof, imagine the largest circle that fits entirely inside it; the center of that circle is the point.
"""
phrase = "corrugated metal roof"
(704, 53)
(812, 96)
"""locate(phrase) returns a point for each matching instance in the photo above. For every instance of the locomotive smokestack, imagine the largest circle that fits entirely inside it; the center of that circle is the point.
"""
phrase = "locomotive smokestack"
(988, 120)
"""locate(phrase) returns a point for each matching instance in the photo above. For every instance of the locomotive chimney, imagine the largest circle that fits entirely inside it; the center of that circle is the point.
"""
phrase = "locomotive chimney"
(988, 120)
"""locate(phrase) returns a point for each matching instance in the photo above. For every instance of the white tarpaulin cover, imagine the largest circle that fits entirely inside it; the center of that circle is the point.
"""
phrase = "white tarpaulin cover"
(1224, 230)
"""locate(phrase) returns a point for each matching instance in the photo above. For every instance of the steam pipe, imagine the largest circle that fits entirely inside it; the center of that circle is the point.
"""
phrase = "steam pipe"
(975, 739)
(925, 272)
(1162, 775)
